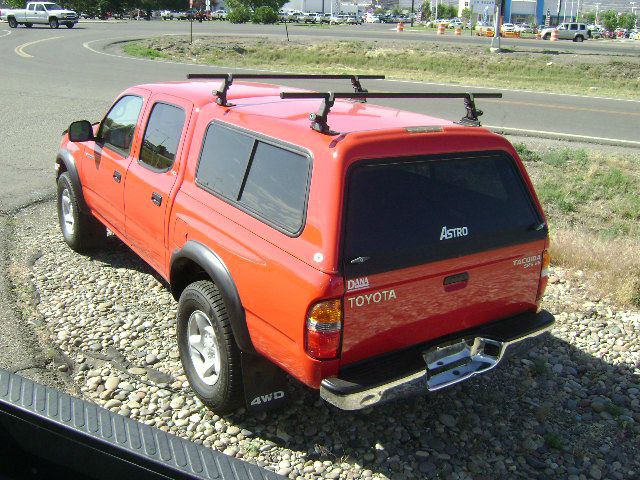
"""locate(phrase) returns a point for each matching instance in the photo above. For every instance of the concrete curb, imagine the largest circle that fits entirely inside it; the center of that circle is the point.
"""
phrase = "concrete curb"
(563, 136)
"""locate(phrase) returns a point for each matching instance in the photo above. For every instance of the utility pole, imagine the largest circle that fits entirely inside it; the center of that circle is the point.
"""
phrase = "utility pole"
(412, 11)
(597, 6)
(571, 11)
(495, 41)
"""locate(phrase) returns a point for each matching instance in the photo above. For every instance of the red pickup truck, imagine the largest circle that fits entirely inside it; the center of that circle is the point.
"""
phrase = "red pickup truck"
(369, 252)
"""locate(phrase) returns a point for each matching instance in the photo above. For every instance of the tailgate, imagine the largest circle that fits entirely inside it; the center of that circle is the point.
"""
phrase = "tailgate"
(434, 245)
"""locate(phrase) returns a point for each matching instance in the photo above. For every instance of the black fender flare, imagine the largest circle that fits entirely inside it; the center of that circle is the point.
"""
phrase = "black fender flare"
(65, 158)
(215, 268)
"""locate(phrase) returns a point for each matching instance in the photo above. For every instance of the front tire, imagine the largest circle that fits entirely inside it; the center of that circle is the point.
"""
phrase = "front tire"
(53, 23)
(69, 25)
(28, 25)
(579, 39)
(547, 36)
(81, 232)
(13, 23)
(208, 350)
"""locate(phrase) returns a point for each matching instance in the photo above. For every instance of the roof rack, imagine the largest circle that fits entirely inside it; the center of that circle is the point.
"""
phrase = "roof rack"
(319, 120)
(228, 79)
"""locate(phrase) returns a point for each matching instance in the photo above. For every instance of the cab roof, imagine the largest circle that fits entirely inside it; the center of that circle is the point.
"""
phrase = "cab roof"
(263, 100)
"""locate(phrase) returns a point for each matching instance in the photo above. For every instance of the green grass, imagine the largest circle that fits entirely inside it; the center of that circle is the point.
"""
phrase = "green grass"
(468, 64)
(137, 50)
(599, 193)
(593, 207)
(539, 367)
(554, 440)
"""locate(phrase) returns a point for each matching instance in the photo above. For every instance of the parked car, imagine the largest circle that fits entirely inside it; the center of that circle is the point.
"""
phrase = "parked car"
(307, 17)
(577, 32)
(46, 13)
(507, 28)
(372, 19)
(220, 15)
(337, 265)
(524, 28)
(456, 24)
(4, 12)
(353, 19)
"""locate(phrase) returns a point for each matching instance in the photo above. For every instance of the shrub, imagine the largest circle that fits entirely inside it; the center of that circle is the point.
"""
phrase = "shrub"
(239, 14)
(264, 14)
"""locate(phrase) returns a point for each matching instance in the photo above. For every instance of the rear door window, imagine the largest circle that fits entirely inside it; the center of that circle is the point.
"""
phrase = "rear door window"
(162, 136)
(411, 211)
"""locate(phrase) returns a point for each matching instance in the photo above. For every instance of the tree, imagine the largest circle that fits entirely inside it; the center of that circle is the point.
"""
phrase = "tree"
(264, 15)
(627, 20)
(447, 11)
(610, 20)
(589, 17)
(255, 4)
(466, 15)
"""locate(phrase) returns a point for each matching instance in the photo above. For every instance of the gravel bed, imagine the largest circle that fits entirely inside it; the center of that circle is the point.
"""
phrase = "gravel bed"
(569, 408)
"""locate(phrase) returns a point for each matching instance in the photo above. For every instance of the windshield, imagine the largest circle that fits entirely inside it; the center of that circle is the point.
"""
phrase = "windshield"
(53, 6)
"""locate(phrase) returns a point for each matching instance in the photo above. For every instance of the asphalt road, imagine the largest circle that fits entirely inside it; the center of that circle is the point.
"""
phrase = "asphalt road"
(52, 77)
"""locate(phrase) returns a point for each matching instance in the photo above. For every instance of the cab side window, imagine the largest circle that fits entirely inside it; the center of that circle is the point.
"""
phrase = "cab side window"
(39, 8)
(117, 128)
(162, 137)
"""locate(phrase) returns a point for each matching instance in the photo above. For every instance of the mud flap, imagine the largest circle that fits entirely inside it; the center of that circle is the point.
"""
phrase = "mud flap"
(265, 384)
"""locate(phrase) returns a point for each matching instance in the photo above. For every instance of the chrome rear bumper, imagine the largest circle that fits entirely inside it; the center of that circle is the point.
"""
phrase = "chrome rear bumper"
(444, 363)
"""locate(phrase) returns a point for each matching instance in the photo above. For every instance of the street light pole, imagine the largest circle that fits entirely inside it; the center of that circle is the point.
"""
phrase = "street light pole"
(412, 11)
(597, 7)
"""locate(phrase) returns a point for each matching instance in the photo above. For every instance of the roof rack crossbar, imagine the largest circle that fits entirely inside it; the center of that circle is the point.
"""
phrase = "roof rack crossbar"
(228, 79)
(319, 120)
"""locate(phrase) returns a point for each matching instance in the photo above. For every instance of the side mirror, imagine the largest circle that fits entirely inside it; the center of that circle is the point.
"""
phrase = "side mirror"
(81, 131)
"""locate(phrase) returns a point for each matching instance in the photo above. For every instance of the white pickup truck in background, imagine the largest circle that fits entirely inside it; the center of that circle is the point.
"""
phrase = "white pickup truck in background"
(42, 13)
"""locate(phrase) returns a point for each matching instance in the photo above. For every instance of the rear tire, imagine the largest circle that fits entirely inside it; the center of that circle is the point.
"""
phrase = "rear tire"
(208, 350)
(53, 22)
(579, 39)
(80, 231)
(13, 23)
(547, 36)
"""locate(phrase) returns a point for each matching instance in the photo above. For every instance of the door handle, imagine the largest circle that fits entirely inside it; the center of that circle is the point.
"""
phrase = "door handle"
(117, 176)
(156, 198)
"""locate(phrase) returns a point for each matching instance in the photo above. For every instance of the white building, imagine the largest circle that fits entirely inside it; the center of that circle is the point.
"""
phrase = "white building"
(481, 10)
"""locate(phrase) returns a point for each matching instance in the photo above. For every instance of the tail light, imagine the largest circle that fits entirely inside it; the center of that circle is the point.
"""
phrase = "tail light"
(544, 276)
(324, 329)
